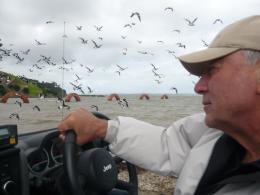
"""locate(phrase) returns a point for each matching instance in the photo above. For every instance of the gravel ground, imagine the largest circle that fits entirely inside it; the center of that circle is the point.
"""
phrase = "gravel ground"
(150, 183)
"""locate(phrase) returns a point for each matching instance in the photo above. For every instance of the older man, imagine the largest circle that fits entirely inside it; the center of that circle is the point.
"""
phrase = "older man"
(216, 152)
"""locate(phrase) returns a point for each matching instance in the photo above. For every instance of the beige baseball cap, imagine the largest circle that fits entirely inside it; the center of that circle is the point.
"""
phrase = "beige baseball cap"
(243, 34)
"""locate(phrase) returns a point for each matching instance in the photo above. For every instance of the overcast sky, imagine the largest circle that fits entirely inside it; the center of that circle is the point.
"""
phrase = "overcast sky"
(125, 41)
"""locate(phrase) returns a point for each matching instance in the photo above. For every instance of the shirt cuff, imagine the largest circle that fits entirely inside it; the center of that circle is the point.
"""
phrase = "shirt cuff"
(112, 129)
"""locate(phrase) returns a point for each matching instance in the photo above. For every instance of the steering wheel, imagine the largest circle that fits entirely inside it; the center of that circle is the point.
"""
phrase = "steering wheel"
(94, 171)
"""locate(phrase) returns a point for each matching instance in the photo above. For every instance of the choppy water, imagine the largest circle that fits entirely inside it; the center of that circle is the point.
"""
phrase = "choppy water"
(156, 111)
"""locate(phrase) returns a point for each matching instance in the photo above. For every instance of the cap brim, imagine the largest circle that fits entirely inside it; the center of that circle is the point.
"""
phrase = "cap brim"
(196, 62)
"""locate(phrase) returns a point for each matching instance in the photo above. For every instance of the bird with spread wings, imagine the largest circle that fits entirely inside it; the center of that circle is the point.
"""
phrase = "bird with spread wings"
(191, 23)
(136, 14)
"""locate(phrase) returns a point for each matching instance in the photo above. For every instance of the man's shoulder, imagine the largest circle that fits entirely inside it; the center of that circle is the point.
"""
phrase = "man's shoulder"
(198, 118)
(194, 127)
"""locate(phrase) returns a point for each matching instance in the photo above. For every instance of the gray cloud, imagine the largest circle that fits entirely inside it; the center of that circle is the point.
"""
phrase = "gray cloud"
(23, 22)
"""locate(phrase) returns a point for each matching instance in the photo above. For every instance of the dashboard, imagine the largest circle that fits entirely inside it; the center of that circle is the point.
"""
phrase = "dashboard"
(47, 157)
(29, 162)
(43, 153)
(43, 161)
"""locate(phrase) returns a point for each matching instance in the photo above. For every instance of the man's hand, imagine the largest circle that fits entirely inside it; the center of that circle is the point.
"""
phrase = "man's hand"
(85, 124)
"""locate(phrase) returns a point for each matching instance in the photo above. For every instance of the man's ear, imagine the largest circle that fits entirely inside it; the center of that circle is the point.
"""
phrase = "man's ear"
(258, 77)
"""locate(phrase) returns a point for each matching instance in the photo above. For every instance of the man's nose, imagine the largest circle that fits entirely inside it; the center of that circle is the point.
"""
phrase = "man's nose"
(202, 85)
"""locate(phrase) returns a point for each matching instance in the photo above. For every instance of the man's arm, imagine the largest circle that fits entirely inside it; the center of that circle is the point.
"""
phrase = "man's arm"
(159, 149)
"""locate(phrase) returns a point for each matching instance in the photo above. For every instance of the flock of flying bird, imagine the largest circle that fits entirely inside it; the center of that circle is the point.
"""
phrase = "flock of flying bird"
(79, 87)
(47, 61)
(62, 105)
(35, 107)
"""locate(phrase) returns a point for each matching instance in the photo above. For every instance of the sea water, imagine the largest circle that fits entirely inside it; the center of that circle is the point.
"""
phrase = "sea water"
(155, 110)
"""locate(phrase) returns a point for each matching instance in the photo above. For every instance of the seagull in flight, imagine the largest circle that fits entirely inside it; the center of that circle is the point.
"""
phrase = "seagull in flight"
(157, 74)
(37, 108)
(79, 27)
(139, 41)
(19, 103)
(94, 106)
(16, 115)
(175, 89)
(66, 61)
(121, 68)
(158, 81)
(49, 22)
(124, 51)
(168, 8)
(39, 43)
(63, 106)
(77, 87)
(181, 45)
(170, 51)
(154, 68)
(89, 89)
(126, 102)
(191, 23)
(123, 103)
(98, 28)
(89, 69)
(78, 78)
(81, 90)
(96, 45)
(127, 25)
(136, 14)
(83, 41)
(160, 41)
(18, 57)
(218, 20)
(177, 30)
(205, 43)
(26, 52)
(143, 52)
(118, 72)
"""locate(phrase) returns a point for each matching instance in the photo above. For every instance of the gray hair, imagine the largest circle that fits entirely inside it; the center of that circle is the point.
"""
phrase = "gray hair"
(251, 56)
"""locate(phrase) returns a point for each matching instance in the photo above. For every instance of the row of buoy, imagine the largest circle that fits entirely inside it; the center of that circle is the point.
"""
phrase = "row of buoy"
(24, 98)
(141, 97)
(69, 96)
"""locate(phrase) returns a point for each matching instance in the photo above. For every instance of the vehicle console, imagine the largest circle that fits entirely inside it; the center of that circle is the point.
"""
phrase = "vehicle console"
(10, 183)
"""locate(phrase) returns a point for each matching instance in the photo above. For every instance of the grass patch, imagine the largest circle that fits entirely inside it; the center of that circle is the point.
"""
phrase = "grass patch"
(34, 91)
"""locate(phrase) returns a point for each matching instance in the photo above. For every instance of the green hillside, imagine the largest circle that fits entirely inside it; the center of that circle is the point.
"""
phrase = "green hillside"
(29, 87)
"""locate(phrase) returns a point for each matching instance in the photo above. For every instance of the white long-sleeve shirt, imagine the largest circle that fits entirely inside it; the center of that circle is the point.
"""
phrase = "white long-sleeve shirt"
(182, 150)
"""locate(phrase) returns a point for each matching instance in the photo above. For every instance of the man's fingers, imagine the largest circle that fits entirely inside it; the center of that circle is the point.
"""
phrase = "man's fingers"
(62, 127)
(64, 124)
(62, 137)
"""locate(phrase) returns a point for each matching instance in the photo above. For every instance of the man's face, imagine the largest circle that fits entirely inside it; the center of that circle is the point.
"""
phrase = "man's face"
(228, 87)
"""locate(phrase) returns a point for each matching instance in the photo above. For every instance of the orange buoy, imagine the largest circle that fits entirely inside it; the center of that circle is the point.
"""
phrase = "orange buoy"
(14, 94)
(164, 97)
(144, 96)
(70, 95)
(113, 95)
